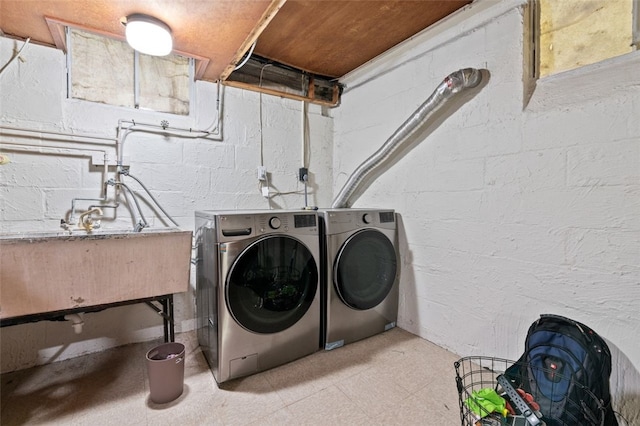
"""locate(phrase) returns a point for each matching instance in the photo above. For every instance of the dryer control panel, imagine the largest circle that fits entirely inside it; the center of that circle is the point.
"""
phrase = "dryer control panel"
(374, 218)
(344, 220)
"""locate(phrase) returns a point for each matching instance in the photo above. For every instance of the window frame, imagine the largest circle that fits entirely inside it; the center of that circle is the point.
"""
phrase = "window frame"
(549, 91)
(635, 35)
(57, 28)
(532, 39)
(136, 74)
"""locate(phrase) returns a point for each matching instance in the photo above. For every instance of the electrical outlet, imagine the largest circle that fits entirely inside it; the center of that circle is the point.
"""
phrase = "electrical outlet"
(262, 173)
(303, 174)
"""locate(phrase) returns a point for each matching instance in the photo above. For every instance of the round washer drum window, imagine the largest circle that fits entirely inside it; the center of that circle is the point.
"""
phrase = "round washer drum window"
(365, 269)
(272, 284)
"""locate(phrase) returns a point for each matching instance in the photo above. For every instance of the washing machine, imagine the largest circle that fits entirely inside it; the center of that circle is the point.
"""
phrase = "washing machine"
(257, 289)
(359, 274)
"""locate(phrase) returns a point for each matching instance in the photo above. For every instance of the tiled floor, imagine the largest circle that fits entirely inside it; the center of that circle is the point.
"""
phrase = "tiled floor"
(394, 378)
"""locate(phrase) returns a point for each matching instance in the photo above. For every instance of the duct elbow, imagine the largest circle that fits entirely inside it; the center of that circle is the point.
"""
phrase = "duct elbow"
(465, 78)
(472, 77)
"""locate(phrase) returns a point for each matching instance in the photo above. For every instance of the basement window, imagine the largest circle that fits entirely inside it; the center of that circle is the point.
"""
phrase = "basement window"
(575, 33)
(107, 70)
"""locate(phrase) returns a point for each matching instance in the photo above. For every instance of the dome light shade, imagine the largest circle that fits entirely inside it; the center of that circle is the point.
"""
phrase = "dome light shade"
(148, 35)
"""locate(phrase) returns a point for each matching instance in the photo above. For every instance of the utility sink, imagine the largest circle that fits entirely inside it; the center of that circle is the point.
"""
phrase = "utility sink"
(47, 272)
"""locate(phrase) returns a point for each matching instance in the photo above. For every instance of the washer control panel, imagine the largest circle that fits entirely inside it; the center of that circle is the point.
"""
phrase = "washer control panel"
(237, 225)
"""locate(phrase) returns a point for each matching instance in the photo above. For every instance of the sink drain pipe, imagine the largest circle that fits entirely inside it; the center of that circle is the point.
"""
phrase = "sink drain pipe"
(76, 321)
(455, 82)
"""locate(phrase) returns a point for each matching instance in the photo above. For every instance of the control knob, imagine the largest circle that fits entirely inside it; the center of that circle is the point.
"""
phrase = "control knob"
(275, 222)
(366, 218)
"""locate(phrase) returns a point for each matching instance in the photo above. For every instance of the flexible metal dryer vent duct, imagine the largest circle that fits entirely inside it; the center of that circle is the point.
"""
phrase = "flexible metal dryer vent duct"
(455, 82)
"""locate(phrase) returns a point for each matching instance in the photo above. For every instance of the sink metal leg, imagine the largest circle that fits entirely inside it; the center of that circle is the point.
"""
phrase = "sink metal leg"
(169, 324)
(167, 316)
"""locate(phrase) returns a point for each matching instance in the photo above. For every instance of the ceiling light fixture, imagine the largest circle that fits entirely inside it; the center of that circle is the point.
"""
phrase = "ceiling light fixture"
(148, 35)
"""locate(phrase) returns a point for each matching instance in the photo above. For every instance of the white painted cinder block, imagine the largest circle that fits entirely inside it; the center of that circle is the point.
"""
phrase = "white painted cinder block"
(212, 154)
(45, 171)
(535, 170)
(608, 163)
(154, 149)
(508, 211)
(603, 250)
(18, 204)
(24, 80)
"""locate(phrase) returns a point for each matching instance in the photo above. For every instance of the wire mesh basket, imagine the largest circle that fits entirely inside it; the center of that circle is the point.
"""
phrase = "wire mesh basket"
(477, 376)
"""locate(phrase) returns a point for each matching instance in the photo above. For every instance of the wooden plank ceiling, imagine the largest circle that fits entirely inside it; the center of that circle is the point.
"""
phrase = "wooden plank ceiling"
(331, 38)
(217, 30)
(328, 38)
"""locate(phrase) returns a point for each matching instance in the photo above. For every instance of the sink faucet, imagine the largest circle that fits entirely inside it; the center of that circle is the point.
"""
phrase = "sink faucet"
(87, 222)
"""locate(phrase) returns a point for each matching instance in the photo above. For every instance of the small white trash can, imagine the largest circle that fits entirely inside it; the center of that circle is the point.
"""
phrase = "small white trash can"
(165, 365)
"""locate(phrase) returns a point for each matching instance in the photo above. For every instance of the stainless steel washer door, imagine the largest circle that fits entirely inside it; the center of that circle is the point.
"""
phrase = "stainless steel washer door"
(365, 269)
(271, 284)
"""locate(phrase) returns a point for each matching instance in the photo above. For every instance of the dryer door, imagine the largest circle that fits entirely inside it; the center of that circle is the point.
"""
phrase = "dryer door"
(365, 269)
(271, 284)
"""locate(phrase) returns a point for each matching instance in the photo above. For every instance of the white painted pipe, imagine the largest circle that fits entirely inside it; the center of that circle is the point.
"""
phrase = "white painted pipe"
(69, 137)
(213, 132)
(72, 151)
(76, 321)
(16, 56)
(49, 149)
(303, 126)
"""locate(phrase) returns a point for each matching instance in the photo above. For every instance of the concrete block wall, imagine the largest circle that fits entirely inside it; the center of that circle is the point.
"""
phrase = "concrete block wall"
(185, 175)
(510, 208)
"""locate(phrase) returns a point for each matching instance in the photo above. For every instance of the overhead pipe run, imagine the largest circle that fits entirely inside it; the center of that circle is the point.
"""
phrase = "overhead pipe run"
(455, 82)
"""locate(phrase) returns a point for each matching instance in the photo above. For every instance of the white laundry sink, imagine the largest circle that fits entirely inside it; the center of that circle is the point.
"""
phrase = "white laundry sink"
(52, 271)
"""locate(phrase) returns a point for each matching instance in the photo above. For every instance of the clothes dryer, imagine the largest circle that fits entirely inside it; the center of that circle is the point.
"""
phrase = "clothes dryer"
(257, 286)
(359, 274)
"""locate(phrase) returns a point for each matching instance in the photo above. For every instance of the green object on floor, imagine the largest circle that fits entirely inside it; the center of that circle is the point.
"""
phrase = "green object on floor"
(486, 401)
